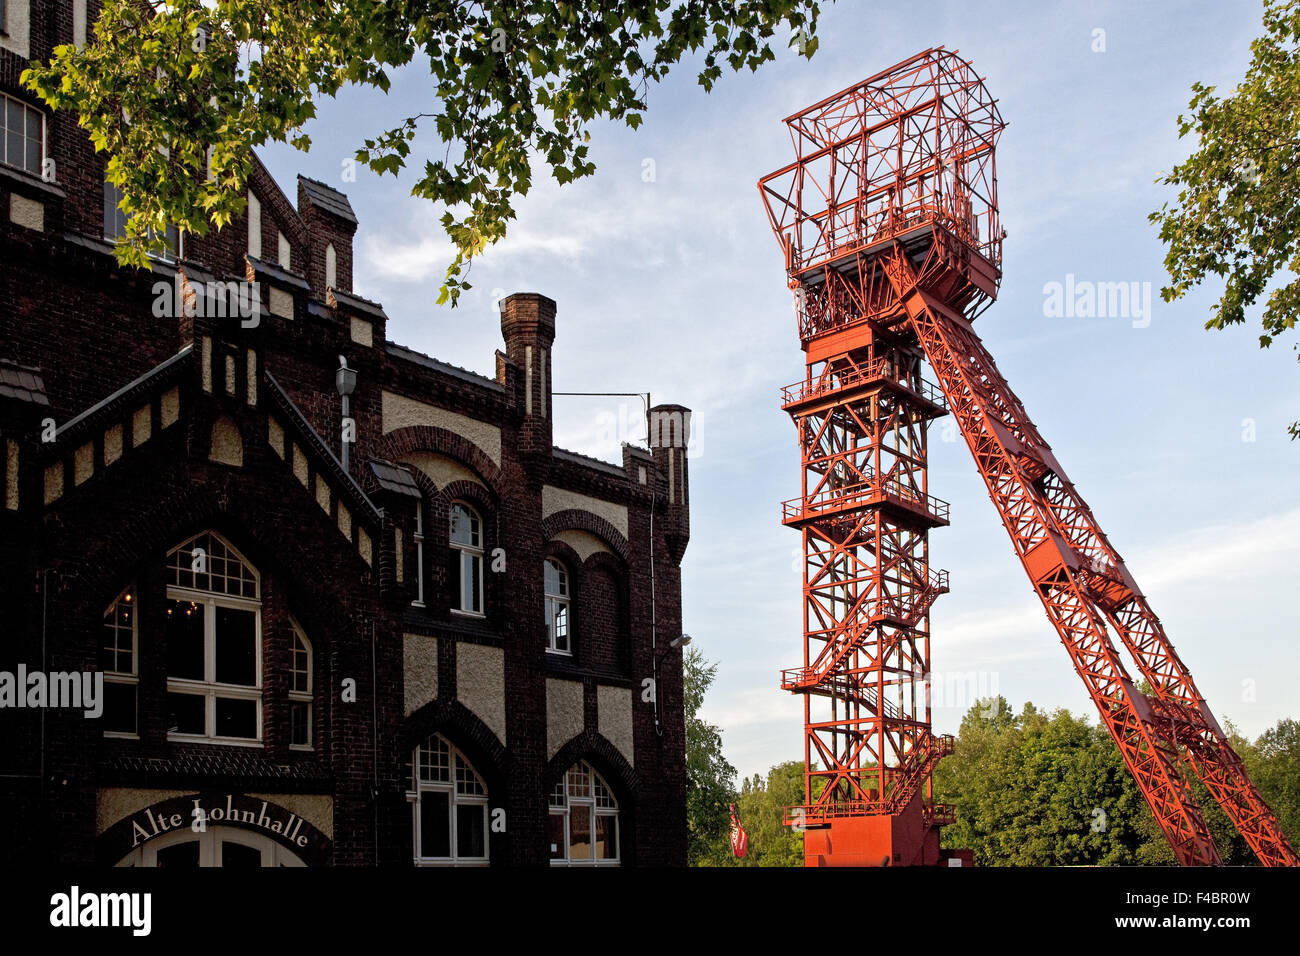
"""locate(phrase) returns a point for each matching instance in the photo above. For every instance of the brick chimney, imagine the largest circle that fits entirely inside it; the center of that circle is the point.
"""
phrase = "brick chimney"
(669, 432)
(528, 326)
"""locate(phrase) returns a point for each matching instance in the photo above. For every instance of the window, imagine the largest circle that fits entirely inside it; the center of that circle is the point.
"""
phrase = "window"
(449, 805)
(214, 643)
(419, 555)
(466, 559)
(22, 129)
(557, 607)
(115, 222)
(300, 691)
(119, 655)
(331, 267)
(583, 824)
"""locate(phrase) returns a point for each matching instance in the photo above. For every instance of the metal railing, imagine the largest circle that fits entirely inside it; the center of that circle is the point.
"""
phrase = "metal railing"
(880, 370)
(861, 494)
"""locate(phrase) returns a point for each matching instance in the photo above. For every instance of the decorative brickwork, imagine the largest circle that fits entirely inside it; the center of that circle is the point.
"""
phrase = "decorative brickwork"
(170, 426)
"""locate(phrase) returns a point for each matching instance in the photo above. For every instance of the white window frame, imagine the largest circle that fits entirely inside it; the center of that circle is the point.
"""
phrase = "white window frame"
(128, 678)
(555, 601)
(455, 799)
(561, 802)
(209, 688)
(4, 105)
(473, 553)
(301, 696)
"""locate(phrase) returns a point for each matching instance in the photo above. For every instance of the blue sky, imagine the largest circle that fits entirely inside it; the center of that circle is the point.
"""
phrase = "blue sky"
(675, 286)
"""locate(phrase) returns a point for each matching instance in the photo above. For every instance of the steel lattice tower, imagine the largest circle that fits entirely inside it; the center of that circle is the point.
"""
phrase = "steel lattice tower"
(888, 220)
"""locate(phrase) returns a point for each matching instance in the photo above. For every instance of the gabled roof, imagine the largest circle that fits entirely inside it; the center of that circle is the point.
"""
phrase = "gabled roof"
(327, 198)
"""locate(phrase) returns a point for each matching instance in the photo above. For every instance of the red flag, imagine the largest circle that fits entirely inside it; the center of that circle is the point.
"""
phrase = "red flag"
(739, 838)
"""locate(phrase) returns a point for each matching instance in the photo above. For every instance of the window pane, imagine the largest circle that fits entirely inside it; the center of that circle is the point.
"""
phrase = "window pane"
(435, 761)
(181, 856)
(467, 781)
(34, 154)
(185, 640)
(236, 647)
(556, 582)
(119, 708)
(239, 857)
(579, 833)
(559, 625)
(469, 831)
(435, 824)
(301, 661)
(579, 781)
(116, 650)
(14, 146)
(185, 714)
(555, 835)
(300, 723)
(454, 577)
(236, 717)
(473, 570)
(464, 525)
(606, 837)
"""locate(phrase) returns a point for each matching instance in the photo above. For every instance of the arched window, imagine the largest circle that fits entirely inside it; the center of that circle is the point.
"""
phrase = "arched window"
(449, 804)
(119, 658)
(556, 585)
(300, 691)
(466, 559)
(583, 824)
(214, 643)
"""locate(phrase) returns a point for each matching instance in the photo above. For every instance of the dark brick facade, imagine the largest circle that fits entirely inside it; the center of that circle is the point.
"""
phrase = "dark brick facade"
(167, 426)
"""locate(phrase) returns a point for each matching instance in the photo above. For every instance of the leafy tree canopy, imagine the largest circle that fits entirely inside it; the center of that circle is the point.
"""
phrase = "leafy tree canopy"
(176, 93)
(709, 789)
(1238, 208)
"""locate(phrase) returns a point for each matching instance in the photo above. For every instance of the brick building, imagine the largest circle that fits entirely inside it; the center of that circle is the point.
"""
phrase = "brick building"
(441, 652)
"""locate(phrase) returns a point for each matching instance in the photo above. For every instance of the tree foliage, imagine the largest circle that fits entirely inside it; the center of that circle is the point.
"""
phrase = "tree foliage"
(177, 92)
(1274, 765)
(1039, 789)
(709, 777)
(761, 807)
(1238, 208)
